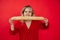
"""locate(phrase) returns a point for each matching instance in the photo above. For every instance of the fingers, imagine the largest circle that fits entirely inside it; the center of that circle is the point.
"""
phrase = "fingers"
(10, 21)
(46, 20)
(12, 27)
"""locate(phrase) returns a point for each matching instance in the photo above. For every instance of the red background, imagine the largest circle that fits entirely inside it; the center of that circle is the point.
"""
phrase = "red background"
(45, 8)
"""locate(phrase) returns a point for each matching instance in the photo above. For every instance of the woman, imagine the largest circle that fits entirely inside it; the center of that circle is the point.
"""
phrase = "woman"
(28, 29)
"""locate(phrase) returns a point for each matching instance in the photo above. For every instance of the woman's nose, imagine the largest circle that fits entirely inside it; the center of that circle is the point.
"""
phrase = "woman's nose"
(27, 14)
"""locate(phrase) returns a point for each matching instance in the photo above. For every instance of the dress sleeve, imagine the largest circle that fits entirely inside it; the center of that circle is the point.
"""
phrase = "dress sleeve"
(43, 25)
(16, 28)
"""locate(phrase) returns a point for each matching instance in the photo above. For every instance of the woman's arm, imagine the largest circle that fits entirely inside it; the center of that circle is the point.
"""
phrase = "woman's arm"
(13, 27)
(44, 23)
(11, 24)
(26, 18)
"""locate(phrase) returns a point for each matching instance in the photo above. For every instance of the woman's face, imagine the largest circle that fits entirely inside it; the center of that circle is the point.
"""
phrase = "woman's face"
(28, 11)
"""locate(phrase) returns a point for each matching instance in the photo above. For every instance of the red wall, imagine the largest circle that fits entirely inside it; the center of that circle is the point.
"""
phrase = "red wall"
(46, 8)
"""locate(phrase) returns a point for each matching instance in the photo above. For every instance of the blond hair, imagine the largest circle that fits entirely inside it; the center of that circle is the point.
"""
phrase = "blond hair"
(28, 6)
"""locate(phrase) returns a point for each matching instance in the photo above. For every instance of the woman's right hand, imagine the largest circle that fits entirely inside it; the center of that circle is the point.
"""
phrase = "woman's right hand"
(11, 24)
(10, 21)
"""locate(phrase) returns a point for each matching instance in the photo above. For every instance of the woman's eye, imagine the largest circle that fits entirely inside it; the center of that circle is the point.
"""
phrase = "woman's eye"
(30, 12)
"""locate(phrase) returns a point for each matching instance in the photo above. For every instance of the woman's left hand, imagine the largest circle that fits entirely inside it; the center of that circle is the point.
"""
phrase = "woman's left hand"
(46, 21)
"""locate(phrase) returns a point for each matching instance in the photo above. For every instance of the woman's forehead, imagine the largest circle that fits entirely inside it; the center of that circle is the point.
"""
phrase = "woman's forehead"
(28, 9)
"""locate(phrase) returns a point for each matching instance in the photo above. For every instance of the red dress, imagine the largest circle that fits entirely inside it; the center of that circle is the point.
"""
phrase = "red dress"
(28, 34)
